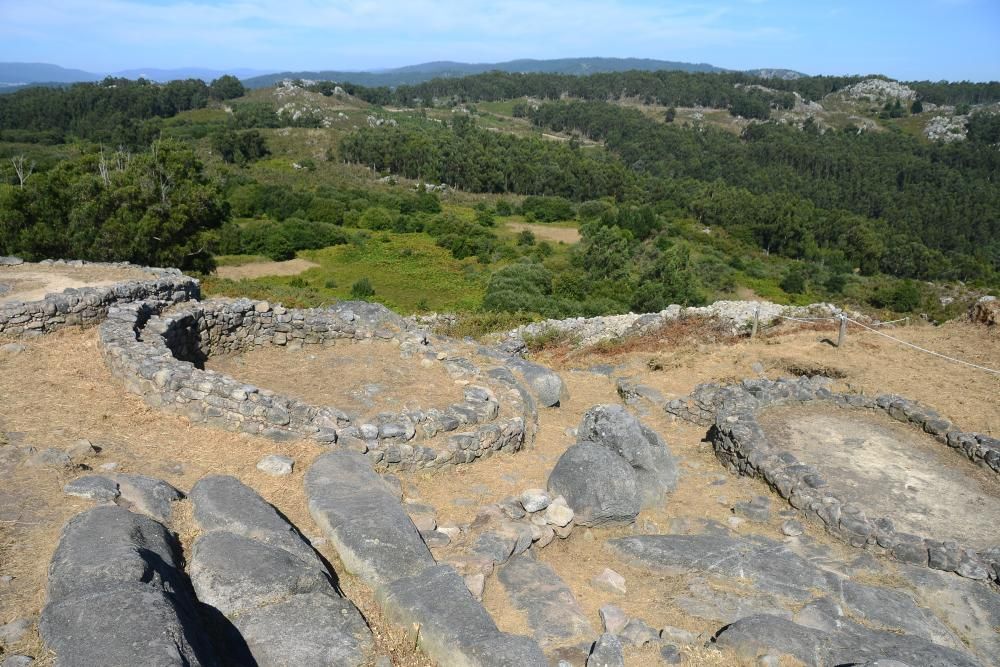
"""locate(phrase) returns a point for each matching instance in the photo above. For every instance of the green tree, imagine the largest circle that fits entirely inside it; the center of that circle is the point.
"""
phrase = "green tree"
(226, 87)
(917, 106)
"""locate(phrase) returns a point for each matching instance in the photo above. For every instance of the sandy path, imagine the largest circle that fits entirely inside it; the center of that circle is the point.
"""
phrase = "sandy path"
(547, 232)
(292, 267)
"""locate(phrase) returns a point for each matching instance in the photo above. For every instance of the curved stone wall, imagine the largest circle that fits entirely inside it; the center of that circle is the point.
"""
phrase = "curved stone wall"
(88, 306)
(742, 445)
(158, 355)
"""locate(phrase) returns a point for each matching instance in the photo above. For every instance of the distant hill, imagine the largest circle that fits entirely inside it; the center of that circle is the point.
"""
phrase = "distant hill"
(413, 74)
(22, 73)
(17, 75)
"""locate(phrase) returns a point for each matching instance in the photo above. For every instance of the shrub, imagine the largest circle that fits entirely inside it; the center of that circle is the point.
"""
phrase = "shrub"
(362, 289)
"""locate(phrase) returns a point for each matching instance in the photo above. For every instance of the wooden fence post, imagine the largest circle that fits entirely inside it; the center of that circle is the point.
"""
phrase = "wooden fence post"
(843, 331)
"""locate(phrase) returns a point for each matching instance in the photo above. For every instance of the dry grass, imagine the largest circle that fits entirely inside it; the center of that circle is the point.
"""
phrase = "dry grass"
(291, 267)
(58, 390)
(30, 282)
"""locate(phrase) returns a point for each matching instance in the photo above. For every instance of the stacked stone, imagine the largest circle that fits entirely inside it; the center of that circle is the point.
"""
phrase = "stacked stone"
(743, 447)
(161, 361)
(88, 306)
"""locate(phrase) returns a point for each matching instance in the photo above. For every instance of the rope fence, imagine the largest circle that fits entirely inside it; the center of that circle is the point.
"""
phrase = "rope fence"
(844, 320)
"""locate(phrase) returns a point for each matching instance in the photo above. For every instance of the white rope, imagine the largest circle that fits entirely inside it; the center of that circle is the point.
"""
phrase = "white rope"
(917, 347)
(807, 319)
(882, 324)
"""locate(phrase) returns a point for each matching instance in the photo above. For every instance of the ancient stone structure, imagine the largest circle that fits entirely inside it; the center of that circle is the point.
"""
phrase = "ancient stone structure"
(88, 306)
(157, 353)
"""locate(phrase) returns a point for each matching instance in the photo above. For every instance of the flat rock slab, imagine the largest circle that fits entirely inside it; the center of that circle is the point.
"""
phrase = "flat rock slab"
(769, 565)
(148, 495)
(893, 470)
(376, 540)
(363, 518)
(116, 596)
(454, 628)
(760, 635)
(252, 566)
(553, 613)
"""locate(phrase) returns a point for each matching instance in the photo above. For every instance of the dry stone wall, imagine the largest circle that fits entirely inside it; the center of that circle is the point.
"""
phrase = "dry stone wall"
(88, 306)
(158, 354)
(743, 447)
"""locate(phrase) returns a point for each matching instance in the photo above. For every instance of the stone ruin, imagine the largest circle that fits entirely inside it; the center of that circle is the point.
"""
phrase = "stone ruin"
(254, 590)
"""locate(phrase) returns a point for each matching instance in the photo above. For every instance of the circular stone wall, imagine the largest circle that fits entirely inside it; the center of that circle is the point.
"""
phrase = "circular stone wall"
(878, 472)
(160, 355)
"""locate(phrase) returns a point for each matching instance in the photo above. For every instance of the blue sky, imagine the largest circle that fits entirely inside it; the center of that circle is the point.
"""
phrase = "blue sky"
(915, 39)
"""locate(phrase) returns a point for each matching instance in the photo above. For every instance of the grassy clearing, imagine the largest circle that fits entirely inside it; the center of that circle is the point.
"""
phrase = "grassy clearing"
(408, 271)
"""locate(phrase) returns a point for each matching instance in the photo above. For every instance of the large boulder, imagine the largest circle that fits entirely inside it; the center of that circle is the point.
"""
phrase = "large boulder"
(117, 596)
(617, 429)
(544, 384)
(597, 483)
(986, 311)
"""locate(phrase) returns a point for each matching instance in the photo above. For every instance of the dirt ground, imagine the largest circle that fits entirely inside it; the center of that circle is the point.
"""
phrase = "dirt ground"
(58, 390)
(568, 235)
(291, 267)
(30, 282)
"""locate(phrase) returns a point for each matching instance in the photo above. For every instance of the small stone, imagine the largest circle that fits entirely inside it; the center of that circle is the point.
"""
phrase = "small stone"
(6, 580)
(758, 509)
(570, 432)
(93, 487)
(11, 633)
(588, 535)
(262, 306)
(670, 654)
(769, 660)
(476, 583)
(110, 466)
(81, 449)
(535, 500)
(435, 539)
(383, 661)
(792, 528)
(512, 508)
(757, 367)
(558, 513)
(678, 635)
(638, 633)
(277, 465)
(562, 532)
(546, 537)
(735, 522)
(613, 619)
(610, 581)
(13, 348)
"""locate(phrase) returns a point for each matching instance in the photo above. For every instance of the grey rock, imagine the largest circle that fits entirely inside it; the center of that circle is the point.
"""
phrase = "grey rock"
(613, 619)
(17, 661)
(50, 458)
(81, 449)
(545, 385)
(307, 629)
(754, 635)
(553, 613)
(222, 502)
(13, 348)
(638, 633)
(612, 426)
(671, 655)
(678, 635)
(277, 465)
(148, 495)
(705, 601)
(455, 629)
(234, 573)
(597, 483)
(93, 487)
(535, 500)
(769, 564)
(364, 520)
(792, 528)
(894, 611)
(13, 631)
(558, 513)
(435, 539)
(758, 509)
(610, 581)
(607, 652)
(10, 260)
(116, 595)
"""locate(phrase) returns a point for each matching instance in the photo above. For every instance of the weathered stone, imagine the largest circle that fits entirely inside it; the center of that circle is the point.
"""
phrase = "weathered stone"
(116, 595)
(93, 487)
(147, 495)
(792, 528)
(612, 426)
(276, 465)
(545, 385)
(678, 635)
(610, 581)
(558, 513)
(613, 619)
(17, 661)
(454, 629)
(50, 458)
(597, 483)
(638, 633)
(758, 509)
(12, 632)
(553, 613)
(607, 652)
(535, 500)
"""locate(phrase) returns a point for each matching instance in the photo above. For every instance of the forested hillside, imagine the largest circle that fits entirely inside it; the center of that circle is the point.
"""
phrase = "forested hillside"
(669, 187)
